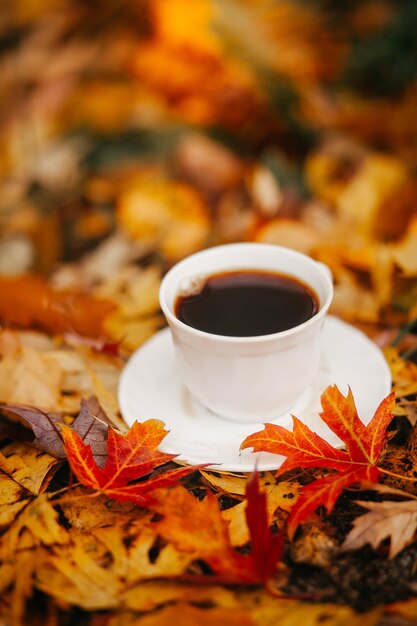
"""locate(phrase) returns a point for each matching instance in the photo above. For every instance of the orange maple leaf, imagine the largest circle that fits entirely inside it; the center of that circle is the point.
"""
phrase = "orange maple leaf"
(29, 302)
(304, 448)
(197, 526)
(130, 457)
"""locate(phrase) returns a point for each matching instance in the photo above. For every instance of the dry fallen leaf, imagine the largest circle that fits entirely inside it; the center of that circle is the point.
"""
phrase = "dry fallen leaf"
(405, 251)
(169, 213)
(282, 495)
(29, 467)
(197, 527)
(289, 233)
(130, 458)
(91, 424)
(11, 500)
(404, 373)
(304, 448)
(394, 520)
(267, 610)
(29, 377)
(37, 525)
(30, 302)
(193, 615)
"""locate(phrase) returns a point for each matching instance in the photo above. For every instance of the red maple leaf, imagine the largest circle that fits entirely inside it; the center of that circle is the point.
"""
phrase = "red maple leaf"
(197, 526)
(266, 547)
(304, 448)
(131, 457)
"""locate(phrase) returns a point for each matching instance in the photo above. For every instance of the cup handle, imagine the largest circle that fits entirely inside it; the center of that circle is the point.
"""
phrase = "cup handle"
(327, 270)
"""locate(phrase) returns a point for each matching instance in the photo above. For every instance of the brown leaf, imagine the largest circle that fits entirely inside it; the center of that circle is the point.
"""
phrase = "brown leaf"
(91, 424)
(394, 520)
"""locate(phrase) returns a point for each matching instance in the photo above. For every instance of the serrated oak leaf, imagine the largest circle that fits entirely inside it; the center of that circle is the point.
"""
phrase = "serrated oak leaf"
(130, 457)
(325, 492)
(266, 547)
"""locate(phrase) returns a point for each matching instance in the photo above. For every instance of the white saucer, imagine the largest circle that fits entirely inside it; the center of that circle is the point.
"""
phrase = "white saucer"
(150, 388)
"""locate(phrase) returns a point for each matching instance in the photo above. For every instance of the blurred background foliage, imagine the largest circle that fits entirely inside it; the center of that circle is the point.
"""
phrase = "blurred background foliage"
(163, 126)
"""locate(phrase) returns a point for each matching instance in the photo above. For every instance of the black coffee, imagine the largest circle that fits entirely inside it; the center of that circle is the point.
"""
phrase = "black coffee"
(247, 303)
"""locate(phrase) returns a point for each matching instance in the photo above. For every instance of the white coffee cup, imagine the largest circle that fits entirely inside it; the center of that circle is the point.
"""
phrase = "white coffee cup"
(247, 379)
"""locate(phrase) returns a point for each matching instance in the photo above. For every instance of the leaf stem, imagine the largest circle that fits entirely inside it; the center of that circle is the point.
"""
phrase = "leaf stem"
(51, 494)
(95, 494)
(400, 476)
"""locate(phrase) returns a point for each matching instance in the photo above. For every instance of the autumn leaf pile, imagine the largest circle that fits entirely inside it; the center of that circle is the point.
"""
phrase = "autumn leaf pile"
(134, 134)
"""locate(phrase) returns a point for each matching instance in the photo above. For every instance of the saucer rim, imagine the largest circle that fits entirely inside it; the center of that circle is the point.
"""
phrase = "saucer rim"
(255, 459)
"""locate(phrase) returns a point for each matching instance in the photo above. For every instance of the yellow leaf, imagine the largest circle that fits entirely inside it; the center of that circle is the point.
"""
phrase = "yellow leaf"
(37, 525)
(147, 596)
(405, 252)
(282, 495)
(362, 200)
(74, 577)
(29, 467)
(269, 611)
(133, 563)
(11, 501)
(289, 233)
(29, 377)
(407, 608)
(404, 373)
(234, 484)
(167, 212)
(131, 333)
(186, 23)
(107, 400)
(134, 291)
(7, 575)
(192, 615)
(83, 516)
(24, 565)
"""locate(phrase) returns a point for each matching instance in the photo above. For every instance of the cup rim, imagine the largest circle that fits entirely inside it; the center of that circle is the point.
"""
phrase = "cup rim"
(251, 339)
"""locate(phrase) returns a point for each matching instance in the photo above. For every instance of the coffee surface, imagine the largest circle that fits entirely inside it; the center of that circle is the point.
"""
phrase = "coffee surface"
(247, 303)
